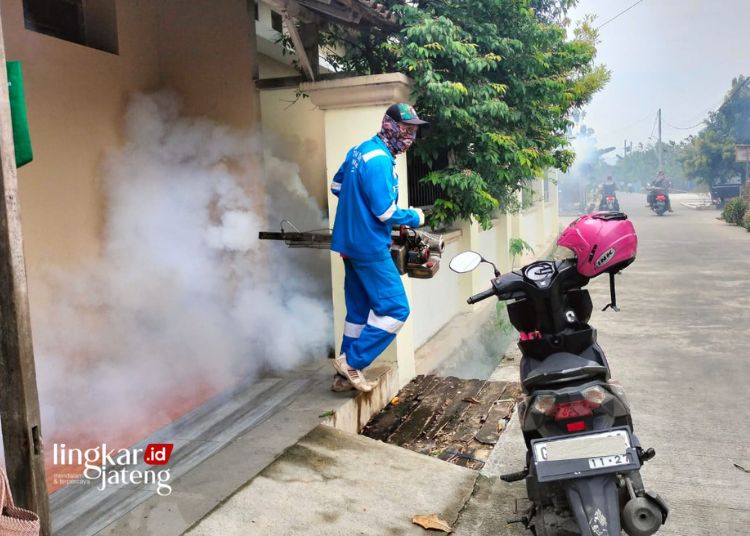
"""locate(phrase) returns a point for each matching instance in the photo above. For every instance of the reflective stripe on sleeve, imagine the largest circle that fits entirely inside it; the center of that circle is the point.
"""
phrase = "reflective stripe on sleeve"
(386, 323)
(385, 216)
(353, 330)
(373, 154)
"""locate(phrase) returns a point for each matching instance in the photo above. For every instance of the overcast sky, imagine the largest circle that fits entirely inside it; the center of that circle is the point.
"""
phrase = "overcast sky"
(677, 55)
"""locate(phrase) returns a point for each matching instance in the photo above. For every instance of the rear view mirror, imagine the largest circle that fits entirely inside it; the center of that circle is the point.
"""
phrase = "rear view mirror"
(465, 262)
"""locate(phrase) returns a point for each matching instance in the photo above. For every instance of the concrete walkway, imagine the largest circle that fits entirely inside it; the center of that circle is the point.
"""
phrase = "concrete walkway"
(332, 482)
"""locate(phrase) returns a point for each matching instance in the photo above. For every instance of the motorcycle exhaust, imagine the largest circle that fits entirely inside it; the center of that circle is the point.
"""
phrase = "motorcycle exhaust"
(641, 517)
(645, 513)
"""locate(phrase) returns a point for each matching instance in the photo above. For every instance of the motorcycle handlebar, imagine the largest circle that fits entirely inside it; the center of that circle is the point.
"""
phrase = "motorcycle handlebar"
(481, 296)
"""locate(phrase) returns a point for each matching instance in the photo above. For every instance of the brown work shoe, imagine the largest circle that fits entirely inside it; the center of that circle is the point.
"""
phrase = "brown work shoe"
(355, 376)
(341, 384)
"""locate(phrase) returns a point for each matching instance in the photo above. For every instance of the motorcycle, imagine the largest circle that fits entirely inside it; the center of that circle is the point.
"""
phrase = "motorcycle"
(659, 201)
(583, 458)
(609, 202)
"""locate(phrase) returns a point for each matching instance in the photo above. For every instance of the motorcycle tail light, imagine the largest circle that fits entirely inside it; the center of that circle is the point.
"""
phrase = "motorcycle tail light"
(593, 397)
(574, 410)
(544, 404)
(661, 198)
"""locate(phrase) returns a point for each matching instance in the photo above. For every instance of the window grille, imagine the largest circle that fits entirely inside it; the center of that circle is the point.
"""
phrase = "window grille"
(422, 194)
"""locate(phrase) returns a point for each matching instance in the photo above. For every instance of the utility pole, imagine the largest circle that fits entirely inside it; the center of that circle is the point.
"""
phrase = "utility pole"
(19, 401)
(658, 143)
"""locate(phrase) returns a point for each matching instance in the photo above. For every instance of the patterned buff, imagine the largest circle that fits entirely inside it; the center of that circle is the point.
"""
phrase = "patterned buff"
(395, 137)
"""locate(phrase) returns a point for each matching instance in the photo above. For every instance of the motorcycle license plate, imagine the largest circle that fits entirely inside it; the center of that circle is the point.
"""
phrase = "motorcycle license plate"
(584, 454)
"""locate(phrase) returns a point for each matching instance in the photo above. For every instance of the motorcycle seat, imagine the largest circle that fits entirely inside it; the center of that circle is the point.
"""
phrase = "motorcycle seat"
(562, 367)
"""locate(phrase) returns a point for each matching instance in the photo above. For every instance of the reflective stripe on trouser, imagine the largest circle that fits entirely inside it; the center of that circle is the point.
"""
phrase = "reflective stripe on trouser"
(376, 308)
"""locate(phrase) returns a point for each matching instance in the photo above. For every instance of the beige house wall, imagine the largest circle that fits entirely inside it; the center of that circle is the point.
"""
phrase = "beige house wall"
(296, 131)
(295, 128)
(205, 54)
(76, 96)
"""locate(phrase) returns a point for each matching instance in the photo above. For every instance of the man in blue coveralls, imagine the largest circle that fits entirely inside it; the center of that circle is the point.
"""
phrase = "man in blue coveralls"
(367, 187)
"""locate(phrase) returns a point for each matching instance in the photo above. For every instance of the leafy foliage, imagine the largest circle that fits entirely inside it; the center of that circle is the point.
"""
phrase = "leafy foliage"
(497, 79)
(734, 211)
(517, 247)
(710, 156)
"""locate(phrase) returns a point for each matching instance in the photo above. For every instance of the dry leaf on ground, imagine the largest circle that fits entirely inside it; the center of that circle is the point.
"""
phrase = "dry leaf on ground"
(431, 522)
(471, 400)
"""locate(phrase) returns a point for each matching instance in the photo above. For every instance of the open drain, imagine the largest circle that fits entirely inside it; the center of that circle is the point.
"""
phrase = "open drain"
(449, 418)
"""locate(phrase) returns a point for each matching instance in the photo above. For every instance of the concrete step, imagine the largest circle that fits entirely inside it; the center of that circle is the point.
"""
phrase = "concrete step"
(333, 482)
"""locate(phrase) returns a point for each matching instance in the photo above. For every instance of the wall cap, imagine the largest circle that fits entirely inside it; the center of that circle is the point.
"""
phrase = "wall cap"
(359, 91)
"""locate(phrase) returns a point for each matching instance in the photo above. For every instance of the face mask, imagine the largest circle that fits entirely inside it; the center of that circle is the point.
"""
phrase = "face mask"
(397, 138)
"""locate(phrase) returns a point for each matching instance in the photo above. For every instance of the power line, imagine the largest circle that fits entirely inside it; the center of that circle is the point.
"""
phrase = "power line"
(729, 99)
(620, 13)
(684, 128)
(609, 132)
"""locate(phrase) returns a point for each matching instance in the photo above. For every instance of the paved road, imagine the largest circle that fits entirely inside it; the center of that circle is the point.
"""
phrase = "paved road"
(680, 347)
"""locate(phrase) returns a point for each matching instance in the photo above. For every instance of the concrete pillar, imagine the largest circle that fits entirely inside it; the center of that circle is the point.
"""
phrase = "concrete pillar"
(554, 202)
(353, 111)
(475, 281)
(502, 236)
(541, 235)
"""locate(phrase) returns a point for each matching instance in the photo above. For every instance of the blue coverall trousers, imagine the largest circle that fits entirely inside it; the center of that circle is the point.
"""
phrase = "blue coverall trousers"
(376, 308)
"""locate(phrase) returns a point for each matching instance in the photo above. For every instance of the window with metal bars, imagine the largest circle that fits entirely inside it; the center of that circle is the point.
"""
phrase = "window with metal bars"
(422, 194)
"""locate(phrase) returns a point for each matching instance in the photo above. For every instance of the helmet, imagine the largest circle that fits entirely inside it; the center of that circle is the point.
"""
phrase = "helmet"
(602, 242)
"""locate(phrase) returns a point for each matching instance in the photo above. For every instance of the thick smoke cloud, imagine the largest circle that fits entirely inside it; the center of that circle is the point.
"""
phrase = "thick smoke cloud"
(184, 299)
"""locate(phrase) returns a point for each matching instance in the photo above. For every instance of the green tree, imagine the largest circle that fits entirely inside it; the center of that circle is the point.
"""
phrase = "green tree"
(497, 79)
(710, 155)
(641, 164)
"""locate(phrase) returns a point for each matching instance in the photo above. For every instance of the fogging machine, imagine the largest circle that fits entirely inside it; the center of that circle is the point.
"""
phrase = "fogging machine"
(414, 252)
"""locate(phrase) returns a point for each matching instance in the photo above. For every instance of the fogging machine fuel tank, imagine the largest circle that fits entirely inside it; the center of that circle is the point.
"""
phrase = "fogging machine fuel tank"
(416, 253)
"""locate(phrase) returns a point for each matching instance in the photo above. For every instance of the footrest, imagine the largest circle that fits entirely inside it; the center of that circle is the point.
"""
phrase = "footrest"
(515, 477)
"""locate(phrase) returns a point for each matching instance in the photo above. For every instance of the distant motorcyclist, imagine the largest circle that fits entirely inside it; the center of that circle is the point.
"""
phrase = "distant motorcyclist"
(608, 188)
(660, 182)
